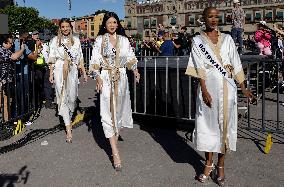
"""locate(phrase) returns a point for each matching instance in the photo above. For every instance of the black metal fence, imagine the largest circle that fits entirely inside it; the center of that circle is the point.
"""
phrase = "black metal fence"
(165, 91)
(19, 100)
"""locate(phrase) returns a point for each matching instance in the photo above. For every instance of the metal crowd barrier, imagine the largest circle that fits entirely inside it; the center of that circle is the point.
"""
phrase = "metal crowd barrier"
(164, 90)
(265, 79)
(18, 100)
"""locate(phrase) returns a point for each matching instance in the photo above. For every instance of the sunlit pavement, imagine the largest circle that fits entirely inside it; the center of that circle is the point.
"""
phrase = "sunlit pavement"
(151, 156)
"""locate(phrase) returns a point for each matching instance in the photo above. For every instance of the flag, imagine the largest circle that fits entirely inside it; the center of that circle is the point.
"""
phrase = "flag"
(69, 4)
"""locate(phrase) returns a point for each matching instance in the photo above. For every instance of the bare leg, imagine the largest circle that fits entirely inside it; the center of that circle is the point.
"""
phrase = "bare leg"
(221, 163)
(69, 133)
(115, 152)
(207, 169)
(221, 173)
(209, 162)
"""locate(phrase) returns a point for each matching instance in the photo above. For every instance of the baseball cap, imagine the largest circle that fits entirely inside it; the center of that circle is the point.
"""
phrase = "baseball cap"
(35, 32)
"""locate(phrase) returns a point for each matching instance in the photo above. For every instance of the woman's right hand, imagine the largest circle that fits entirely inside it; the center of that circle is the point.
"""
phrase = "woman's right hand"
(99, 84)
(51, 79)
(207, 99)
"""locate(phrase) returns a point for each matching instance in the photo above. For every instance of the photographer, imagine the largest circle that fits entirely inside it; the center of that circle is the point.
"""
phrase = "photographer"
(23, 70)
(6, 69)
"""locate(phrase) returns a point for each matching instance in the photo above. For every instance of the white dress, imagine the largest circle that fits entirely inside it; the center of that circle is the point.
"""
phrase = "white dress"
(216, 127)
(66, 90)
(115, 104)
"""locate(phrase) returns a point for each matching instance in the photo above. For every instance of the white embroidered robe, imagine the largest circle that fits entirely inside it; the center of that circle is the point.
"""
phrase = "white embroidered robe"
(216, 127)
(66, 90)
(115, 104)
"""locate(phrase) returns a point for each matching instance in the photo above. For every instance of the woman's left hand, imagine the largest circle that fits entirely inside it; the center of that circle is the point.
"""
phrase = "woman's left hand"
(137, 75)
(249, 95)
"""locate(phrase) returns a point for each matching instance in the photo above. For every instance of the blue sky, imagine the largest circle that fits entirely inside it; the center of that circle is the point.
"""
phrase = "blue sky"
(59, 8)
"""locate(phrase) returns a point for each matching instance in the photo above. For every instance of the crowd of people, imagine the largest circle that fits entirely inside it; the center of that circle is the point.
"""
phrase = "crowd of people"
(214, 60)
(165, 43)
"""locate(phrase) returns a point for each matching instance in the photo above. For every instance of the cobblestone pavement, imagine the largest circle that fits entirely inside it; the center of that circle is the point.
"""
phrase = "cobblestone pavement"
(152, 157)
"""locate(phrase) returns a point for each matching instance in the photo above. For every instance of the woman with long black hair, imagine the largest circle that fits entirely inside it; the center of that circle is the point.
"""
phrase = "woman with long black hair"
(112, 53)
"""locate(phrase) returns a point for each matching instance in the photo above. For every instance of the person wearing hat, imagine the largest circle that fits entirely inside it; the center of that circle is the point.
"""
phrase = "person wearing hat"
(167, 47)
(238, 19)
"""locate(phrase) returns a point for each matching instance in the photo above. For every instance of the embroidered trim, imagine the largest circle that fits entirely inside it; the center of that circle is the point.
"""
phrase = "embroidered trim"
(131, 63)
(196, 72)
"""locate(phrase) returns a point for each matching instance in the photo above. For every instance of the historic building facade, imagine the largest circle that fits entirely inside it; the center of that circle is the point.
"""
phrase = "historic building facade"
(145, 16)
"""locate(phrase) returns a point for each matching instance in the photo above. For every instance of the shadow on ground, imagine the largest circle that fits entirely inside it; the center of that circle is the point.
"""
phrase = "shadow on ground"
(174, 144)
(92, 119)
(10, 180)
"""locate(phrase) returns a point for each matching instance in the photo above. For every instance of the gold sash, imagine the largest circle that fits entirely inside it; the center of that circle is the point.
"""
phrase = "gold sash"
(114, 77)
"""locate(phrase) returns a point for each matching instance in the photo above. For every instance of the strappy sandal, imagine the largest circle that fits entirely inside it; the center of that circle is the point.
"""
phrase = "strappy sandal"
(117, 166)
(220, 180)
(203, 177)
(68, 138)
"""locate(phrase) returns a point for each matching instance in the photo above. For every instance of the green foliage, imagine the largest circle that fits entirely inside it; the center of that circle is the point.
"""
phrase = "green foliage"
(26, 19)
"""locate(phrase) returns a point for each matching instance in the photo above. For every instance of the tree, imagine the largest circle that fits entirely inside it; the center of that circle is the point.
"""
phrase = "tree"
(25, 19)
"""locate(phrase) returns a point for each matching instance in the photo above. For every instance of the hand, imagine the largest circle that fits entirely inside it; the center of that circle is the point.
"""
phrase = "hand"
(137, 75)
(51, 79)
(249, 95)
(207, 99)
(99, 84)
(23, 46)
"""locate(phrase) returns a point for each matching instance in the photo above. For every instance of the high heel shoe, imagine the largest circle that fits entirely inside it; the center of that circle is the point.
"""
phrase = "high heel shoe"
(220, 180)
(203, 177)
(117, 166)
(68, 138)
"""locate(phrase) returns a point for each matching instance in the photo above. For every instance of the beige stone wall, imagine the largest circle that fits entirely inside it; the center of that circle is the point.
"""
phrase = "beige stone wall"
(163, 10)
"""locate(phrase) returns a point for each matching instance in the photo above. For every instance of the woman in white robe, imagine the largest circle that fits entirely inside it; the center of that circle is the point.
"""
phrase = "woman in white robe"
(65, 58)
(215, 61)
(111, 54)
